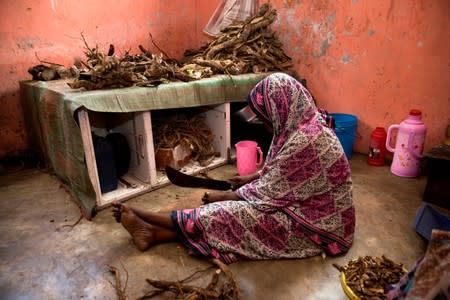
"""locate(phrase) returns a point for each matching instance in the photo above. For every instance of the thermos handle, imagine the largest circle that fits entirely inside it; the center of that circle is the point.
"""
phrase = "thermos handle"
(410, 146)
(388, 137)
(260, 154)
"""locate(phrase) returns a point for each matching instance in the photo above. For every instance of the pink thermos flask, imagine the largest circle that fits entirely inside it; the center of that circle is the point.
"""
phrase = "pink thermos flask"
(409, 144)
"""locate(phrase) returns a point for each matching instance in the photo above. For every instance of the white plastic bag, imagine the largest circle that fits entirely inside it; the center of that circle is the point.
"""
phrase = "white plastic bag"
(229, 11)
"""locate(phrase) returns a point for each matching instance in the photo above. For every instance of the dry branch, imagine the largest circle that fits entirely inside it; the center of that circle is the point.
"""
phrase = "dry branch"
(221, 286)
(74, 224)
(120, 290)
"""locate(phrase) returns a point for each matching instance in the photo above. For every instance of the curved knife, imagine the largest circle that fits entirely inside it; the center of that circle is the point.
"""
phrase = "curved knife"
(185, 180)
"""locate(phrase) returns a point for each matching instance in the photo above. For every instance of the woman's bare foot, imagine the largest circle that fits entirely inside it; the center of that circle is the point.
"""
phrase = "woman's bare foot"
(117, 210)
(153, 218)
(141, 231)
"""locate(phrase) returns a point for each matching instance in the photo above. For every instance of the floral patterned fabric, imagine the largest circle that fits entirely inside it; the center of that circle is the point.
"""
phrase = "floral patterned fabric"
(429, 276)
(302, 203)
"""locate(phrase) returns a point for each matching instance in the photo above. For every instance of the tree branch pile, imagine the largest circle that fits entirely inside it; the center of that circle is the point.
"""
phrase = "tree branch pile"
(193, 132)
(108, 70)
(243, 47)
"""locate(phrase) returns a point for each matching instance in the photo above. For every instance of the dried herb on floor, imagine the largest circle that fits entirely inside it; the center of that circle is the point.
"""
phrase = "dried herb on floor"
(368, 276)
(221, 286)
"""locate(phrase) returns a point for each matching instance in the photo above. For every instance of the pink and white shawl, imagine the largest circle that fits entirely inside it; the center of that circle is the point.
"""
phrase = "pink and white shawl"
(306, 173)
(302, 203)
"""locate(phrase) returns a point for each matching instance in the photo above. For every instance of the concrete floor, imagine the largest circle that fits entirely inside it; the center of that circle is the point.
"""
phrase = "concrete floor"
(40, 259)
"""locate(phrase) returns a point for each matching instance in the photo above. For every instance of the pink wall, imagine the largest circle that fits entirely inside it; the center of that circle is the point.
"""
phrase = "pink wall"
(51, 29)
(374, 59)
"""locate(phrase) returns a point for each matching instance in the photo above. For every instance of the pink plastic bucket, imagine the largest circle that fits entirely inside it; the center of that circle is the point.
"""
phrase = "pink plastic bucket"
(247, 153)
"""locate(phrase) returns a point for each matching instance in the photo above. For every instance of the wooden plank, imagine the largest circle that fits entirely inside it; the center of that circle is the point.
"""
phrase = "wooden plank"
(89, 153)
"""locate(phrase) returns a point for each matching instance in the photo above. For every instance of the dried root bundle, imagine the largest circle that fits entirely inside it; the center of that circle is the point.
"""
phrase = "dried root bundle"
(368, 276)
(108, 70)
(221, 286)
(191, 132)
(243, 47)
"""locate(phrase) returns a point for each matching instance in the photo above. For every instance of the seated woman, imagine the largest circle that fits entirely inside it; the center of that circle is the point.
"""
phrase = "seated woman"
(298, 205)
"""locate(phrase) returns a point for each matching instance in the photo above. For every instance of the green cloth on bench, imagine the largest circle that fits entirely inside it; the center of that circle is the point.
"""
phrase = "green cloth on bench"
(50, 111)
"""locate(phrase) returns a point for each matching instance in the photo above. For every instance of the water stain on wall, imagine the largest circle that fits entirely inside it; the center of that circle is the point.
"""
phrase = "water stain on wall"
(27, 43)
(324, 48)
(346, 58)
(332, 18)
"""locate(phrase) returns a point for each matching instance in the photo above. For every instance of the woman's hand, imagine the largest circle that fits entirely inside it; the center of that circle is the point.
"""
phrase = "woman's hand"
(210, 197)
(238, 181)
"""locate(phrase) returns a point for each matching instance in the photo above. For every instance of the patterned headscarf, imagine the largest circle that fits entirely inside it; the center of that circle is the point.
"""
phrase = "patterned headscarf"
(305, 158)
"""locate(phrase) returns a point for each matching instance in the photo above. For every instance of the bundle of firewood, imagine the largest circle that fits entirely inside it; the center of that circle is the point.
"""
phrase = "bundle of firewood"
(108, 70)
(243, 47)
(192, 133)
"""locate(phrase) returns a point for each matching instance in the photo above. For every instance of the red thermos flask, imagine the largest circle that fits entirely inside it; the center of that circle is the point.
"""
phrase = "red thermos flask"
(377, 147)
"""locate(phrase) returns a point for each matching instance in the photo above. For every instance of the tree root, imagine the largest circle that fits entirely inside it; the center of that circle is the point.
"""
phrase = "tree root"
(222, 285)
(120, 290)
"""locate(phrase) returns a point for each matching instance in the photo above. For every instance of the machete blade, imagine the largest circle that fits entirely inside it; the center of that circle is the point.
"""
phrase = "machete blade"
(184, 180)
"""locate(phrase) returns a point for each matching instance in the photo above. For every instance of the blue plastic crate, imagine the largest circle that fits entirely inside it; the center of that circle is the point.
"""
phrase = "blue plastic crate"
(427, 219)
